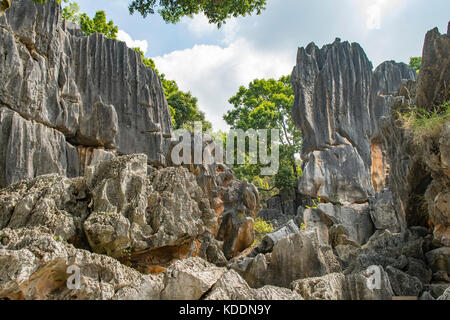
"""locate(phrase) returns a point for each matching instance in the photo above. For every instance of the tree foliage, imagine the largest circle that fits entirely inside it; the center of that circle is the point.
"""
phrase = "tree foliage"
(97, 24)
(217, 11)
(267, 104)
(415, 63)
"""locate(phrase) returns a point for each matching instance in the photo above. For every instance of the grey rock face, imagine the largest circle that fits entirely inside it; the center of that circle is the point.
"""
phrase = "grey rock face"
(383, 214)
(231, 286)
(435, 70)
(147, 222)
(355, 218)
(337, 286)
(236, 224)
(58, 204)
(300, 255)
(34, 266)
(91, 91)
(336, 108)
(402, 283)
(439, 259)
(445, 295)
(131, 212)
(190, 279)
(271, 239)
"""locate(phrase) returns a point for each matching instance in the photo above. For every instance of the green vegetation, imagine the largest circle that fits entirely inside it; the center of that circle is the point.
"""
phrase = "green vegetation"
(267, 104)
(415, 63)
(59, 239)
(315, 204)
(216, 11)
(172, 11)
(262, 228)
(96, 24)
(302, 227)
(425, 124)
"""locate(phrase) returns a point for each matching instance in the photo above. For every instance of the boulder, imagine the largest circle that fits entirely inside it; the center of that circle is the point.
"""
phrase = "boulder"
(236, 223)
(35, 266)
(300, 255)
(383, 214)
(231, 286)
(439, 259)
(190, 279)
(337, 286)
(403, 284)
(58, 204)
(269, 241)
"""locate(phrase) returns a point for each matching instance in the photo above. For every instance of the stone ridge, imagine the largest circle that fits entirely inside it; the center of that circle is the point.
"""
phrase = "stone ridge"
(336, 108)
(89, 92)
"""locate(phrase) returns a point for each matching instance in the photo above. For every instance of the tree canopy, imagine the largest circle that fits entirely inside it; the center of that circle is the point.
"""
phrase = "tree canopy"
(217, 11)
(96, 24)
(267, 104)
(415, 63)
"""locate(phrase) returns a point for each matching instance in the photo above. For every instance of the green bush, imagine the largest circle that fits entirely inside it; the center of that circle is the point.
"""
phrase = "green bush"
(425, 124)
(262, 228)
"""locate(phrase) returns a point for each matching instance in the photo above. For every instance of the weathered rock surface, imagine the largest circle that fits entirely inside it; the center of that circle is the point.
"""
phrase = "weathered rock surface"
(383, 214)
(403, 284)
(269, 241)
(433, 86)
(337, 286)
(300, 255)
(231, 286)
(67, 89)
(34, 266)
(234, 202)
(445, 295)
(333, 90)
(147, 222)
(237, 225)
(419, 174)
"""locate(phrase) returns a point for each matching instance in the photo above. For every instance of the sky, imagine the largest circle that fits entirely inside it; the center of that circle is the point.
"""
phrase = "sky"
(213, 63)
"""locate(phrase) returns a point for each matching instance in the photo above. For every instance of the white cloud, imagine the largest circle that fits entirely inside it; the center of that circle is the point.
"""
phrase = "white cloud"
(199, 25)
(213, 74)
(374, 11)
(123, 36)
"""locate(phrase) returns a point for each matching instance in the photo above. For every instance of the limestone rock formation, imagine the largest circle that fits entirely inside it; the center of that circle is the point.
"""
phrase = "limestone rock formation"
(62, 90)
(234, 202)
(419, 174)
(147, 222)
(35, 264)
(299, 255)
(232, 287)
(337, 286)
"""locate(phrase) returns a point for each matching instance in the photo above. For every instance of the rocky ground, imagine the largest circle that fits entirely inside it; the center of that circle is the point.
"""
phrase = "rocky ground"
(88, 182)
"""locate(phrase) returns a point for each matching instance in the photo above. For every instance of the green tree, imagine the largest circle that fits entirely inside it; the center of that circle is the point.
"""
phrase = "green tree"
(98, 24)
(267, 104)
(415, 63)
(217, 11)
(72, 12)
